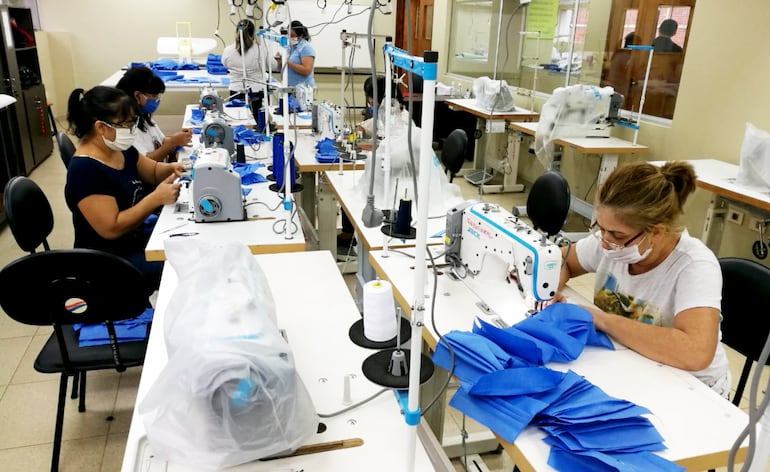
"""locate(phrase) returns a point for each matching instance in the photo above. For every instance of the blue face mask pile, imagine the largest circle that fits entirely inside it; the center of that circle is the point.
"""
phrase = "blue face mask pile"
(134, 329)
(326, 153)
(214, 65)
(248, 172)
(504, 386)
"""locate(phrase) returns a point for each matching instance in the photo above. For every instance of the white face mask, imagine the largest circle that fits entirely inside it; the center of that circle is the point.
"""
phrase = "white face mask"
(293, 41)
(124, 139)
(627, 255)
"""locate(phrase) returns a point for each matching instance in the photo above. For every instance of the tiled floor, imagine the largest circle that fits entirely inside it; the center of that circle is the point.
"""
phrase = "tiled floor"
(91, 441)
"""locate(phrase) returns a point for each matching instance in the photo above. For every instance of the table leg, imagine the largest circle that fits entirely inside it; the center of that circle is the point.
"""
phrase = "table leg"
(714, 224)
(308, 196)
(327, 217)
(512, 171)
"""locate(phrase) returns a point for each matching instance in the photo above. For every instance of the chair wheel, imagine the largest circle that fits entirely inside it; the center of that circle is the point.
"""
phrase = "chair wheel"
(759, 249)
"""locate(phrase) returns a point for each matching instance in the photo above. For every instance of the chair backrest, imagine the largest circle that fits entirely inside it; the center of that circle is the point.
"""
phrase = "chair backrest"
(453, 152)
(548, 202)
(28, 213)
(66, 148)
(745, 301)
(62, 287)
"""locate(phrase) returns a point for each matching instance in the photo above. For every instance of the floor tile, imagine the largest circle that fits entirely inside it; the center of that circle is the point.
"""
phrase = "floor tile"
(10, 328)
(78, 455)
(124, 402)
(37, 401)
(12, 352)
(113, 453)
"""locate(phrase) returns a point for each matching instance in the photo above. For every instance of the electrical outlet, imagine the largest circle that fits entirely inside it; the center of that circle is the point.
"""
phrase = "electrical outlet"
(755, 221)
(735, 216)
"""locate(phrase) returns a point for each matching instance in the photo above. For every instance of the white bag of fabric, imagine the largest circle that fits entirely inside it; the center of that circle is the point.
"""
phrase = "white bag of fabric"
(230, 393)
(493, 95)
(443, 195)
(754, 167)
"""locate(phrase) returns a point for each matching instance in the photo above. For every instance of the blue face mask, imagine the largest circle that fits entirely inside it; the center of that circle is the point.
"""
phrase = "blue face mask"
(370, 110)
(150, 105)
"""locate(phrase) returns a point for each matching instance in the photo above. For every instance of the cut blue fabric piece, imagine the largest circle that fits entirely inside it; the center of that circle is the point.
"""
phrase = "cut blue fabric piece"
(326, 152)
(134, 329)
(474, 355)
(594, 461)
(572, 319)
(245, 191)
(629, 435)
(248, 173)
(214, 65)
(516, 381)
(246, 136)
(514, 342)
(170, 64)
(235, 103)
(196, 116)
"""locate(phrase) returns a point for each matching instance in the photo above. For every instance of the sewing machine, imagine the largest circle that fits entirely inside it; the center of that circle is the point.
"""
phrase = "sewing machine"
(216, 133)
(581, 111)
(327, 120)
(216, 188)
(483, 236)
(210, 100)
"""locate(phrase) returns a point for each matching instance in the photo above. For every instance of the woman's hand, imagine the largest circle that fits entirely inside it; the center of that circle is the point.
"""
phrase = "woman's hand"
(167, 191)
(182, 138)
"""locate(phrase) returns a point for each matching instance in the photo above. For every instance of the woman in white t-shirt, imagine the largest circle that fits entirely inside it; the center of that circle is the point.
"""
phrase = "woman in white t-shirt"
(665, 285)
(255, 57)
(146, 88)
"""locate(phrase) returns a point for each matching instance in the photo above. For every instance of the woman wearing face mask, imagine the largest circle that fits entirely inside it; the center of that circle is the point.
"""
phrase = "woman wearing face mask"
(104, 188)
(146, 88)
(658, 289)
(301, 56)
(367, 125)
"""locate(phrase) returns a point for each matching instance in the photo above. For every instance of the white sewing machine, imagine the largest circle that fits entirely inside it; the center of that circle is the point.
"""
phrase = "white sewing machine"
(216, 188)
(581, 111)
(210, 100)
(484, 237)
(216, 133)
(327, 120)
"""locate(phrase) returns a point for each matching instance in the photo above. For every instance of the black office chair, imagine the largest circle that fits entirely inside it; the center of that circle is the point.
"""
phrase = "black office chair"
(61, 287)
(745, 325)
(28, 213)
(548, 202)
(453, 152)
(66, 148)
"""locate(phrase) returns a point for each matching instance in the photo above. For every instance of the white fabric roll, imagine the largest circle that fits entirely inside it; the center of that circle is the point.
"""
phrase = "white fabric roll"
(379, 311)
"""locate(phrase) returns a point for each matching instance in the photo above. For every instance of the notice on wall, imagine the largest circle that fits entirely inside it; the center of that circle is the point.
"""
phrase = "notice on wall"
(541, 16)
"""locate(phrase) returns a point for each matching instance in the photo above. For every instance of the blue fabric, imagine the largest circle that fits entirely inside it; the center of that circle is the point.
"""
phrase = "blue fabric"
(248, 173)
(246, 136)
(474, 355)
(134, 329)
(235, 103)
(170, 64)
(594, 461)
(508, 382)
(293, 106)
(196, 116)
(326, 153)
(214, 65)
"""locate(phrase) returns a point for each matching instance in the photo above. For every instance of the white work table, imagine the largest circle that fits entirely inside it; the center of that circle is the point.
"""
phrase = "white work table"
(608, 148)
(258, 231)
(496, 122)
(718, 177)
(324, 355)
(235, 116)
(201, 77)
(698, 425)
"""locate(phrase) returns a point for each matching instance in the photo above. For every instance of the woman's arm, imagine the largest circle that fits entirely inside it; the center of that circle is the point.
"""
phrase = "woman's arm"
(181, 138)
(102, 213)
(689, 344)
(154, 172)
(305, 67)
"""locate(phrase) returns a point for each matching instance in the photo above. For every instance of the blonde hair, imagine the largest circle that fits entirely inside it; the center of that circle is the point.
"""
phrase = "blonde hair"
(643, 195)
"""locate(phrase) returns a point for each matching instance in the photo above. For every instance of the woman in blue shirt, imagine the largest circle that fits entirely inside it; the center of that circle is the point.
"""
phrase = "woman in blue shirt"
(104, 189)
(301, 56)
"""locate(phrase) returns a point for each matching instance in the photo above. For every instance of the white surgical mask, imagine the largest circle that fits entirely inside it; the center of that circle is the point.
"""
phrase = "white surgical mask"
(124, 139)
(627, 255)
(293, 41)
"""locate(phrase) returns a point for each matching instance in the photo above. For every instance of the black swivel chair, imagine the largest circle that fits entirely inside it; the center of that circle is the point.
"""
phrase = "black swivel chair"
(28, 213)
(60, 287)
(66, 147)
(745, 325)
(453, 152)
(548, 202)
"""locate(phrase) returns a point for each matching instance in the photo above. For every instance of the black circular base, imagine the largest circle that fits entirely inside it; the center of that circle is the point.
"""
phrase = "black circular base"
(356, 333)
(294, 188)
(375, 368)
(271, 177)
(390, 230)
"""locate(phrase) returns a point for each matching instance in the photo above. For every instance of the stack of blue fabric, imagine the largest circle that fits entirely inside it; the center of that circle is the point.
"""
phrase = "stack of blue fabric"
(505, 386)
(214, 65)
(247, 136)
(326, 153)
(248, 172)
(134, 329)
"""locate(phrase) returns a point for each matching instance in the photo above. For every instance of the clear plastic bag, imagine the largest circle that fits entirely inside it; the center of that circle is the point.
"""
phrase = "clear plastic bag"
(230, 393)
(493, 95)
(754, 167)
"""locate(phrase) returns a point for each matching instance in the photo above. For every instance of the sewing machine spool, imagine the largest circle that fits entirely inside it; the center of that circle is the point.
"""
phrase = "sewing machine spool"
(278, 166)
(400, 228)
(376, 368)
(356, 334)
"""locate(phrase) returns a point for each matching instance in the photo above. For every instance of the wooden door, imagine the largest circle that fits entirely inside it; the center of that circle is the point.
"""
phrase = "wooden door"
(624, 69)
(421, 14)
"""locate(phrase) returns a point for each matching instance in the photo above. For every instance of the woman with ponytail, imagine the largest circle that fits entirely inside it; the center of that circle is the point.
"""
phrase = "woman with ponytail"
(658, 289)
(253, 52)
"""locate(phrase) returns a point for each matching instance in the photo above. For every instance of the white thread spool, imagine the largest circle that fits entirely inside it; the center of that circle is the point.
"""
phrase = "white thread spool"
(379, 311)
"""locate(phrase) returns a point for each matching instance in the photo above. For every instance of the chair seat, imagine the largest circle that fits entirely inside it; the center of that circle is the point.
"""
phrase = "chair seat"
(49, 360)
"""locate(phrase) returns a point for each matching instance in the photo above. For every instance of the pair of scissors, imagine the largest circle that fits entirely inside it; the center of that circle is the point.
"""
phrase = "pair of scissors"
(181, 235)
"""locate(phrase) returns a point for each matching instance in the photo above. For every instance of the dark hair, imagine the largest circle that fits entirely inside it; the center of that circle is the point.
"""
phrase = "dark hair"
(141, 79)
(300, 30)
(98, 104)
(643, 195)
(629, 39)
(668, 27)
(248, 35)
(369, 90)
